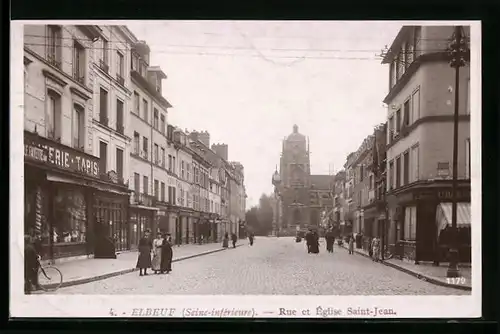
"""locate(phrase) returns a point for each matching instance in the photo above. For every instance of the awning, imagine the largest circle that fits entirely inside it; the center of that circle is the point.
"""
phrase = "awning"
(444, 212)
(62, 179)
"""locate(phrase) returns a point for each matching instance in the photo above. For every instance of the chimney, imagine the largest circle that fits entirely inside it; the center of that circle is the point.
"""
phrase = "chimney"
(204, 137)
(221, 150)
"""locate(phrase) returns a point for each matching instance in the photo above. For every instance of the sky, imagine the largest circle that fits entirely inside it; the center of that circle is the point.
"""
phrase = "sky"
(248, 82)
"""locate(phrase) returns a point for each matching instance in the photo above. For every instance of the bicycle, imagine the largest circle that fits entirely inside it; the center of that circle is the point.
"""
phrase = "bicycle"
(49, 277)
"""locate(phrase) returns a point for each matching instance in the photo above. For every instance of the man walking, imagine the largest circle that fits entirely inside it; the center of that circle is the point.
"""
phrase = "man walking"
(330, 238)
(234, 238)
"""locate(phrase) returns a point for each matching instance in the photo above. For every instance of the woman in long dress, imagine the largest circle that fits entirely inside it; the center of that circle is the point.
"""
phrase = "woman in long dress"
(351, 244)
(157, 250)
(225, 241)
(144, 259)
(376, 249)
(166, 255)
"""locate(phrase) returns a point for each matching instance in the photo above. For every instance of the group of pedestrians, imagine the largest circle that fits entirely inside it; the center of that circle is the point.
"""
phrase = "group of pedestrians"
(312, 241)
(161, 250)
(225, 241)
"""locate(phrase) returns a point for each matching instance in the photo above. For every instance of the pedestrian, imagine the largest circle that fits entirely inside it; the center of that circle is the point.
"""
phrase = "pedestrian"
(225, 241)
(250, 238)
(234, 238)
(315, 242)
(167, 253)
(157, 253)
(376, 249)
(330, 239)
(351, 244)
(31, 265)
(144, 259)
(370, 247)
(309, 240)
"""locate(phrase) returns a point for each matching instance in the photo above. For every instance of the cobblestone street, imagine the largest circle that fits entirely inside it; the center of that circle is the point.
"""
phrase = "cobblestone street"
(271, 266)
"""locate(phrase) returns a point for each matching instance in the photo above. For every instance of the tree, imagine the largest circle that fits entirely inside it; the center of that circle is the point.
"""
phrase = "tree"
(260, 218)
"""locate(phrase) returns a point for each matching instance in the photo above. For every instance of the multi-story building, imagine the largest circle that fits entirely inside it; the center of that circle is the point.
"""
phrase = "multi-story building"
(321, 202)
(73, 199)
(150, 175)
(221, 150)
(339, 205)
(110, 124)
(420, 139)
(350, 205)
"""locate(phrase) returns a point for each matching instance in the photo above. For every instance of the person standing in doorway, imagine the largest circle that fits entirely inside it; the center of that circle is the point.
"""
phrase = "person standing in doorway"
(144, 259)
(167, 253)
(234, 238)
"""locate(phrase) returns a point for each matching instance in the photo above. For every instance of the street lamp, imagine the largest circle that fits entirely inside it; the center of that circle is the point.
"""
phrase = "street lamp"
(458, 52)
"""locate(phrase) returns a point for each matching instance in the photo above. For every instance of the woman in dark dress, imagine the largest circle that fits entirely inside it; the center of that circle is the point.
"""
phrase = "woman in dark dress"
(166, 255)
(144, 260)
(225, 241)
(330, 238)
(315, 243)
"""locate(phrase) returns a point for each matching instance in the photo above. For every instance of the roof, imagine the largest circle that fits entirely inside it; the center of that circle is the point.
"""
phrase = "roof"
(394, 49)
(321, 181)
(158, 70)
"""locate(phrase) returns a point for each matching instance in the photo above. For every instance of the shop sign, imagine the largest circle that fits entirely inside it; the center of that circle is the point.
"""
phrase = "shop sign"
(46, 152)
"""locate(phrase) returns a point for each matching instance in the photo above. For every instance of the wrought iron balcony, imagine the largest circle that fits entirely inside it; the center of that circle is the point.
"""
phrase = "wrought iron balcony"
(142, 199)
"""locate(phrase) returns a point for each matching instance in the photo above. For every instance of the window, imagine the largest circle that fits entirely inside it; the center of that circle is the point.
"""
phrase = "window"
(398, 120)
(156, 190)
(70, 219)
(415, 162)
(406, 168)
(391, 175)
(398, 172)
(401, 66)
(105, 50)
(156, 154)
(467, 97)
(136, 142)
(137, 183)
(78, 126)
(145, 184)
(155, 119)
(162, 157)
(119, 117)
(79, 62)
(410, 227)
(54, 45)
(417, 35)
(134, 62)
(145, 147)
(137, 104)
(119, 163)
(146, 110)
(174, 170)
(188, 171)
(182, 169)
(372, 184)
(361, 173)
(391, 128)
(162, 191)
(103, 157)
(392, 76)
(467, 159)
(54, 115)
(169, 163)
(162, 123)
(406, 110)
(405, 56)
(119, 66)
(415, 101)
(103, 106)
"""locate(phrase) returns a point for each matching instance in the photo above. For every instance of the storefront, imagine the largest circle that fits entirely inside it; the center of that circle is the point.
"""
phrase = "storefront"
(142, 219)
(62, 186)
(416, 219)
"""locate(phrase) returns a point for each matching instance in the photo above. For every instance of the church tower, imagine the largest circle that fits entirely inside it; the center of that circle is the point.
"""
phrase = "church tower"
(295, 176)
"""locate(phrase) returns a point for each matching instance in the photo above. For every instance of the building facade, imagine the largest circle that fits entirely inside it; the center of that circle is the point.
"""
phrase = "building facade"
(420, 140)
(73, 201)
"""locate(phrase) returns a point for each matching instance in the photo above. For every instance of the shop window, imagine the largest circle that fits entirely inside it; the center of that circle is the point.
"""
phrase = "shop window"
(70, 216)
(35, 212)
(410, 227)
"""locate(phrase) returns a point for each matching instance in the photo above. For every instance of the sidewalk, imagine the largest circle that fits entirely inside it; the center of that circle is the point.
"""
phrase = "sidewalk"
(428, 272)
(89, 270)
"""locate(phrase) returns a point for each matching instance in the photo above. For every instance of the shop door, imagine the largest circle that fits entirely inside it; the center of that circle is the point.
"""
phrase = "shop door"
(178, 231)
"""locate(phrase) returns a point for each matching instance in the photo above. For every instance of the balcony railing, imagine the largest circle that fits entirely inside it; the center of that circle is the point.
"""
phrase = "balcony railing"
(52, 60)
(142, 199)
(103, 66)
(120, 79)
(104, 120)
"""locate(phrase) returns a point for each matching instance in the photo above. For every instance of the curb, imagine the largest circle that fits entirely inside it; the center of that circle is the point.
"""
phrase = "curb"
(131, 270)
(422, 277)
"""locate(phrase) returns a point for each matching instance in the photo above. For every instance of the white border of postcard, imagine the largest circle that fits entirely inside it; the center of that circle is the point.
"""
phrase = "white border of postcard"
(463, 306)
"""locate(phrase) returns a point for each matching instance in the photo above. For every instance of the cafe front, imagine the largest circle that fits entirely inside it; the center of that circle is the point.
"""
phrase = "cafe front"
(421, 212)
(69, 205)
